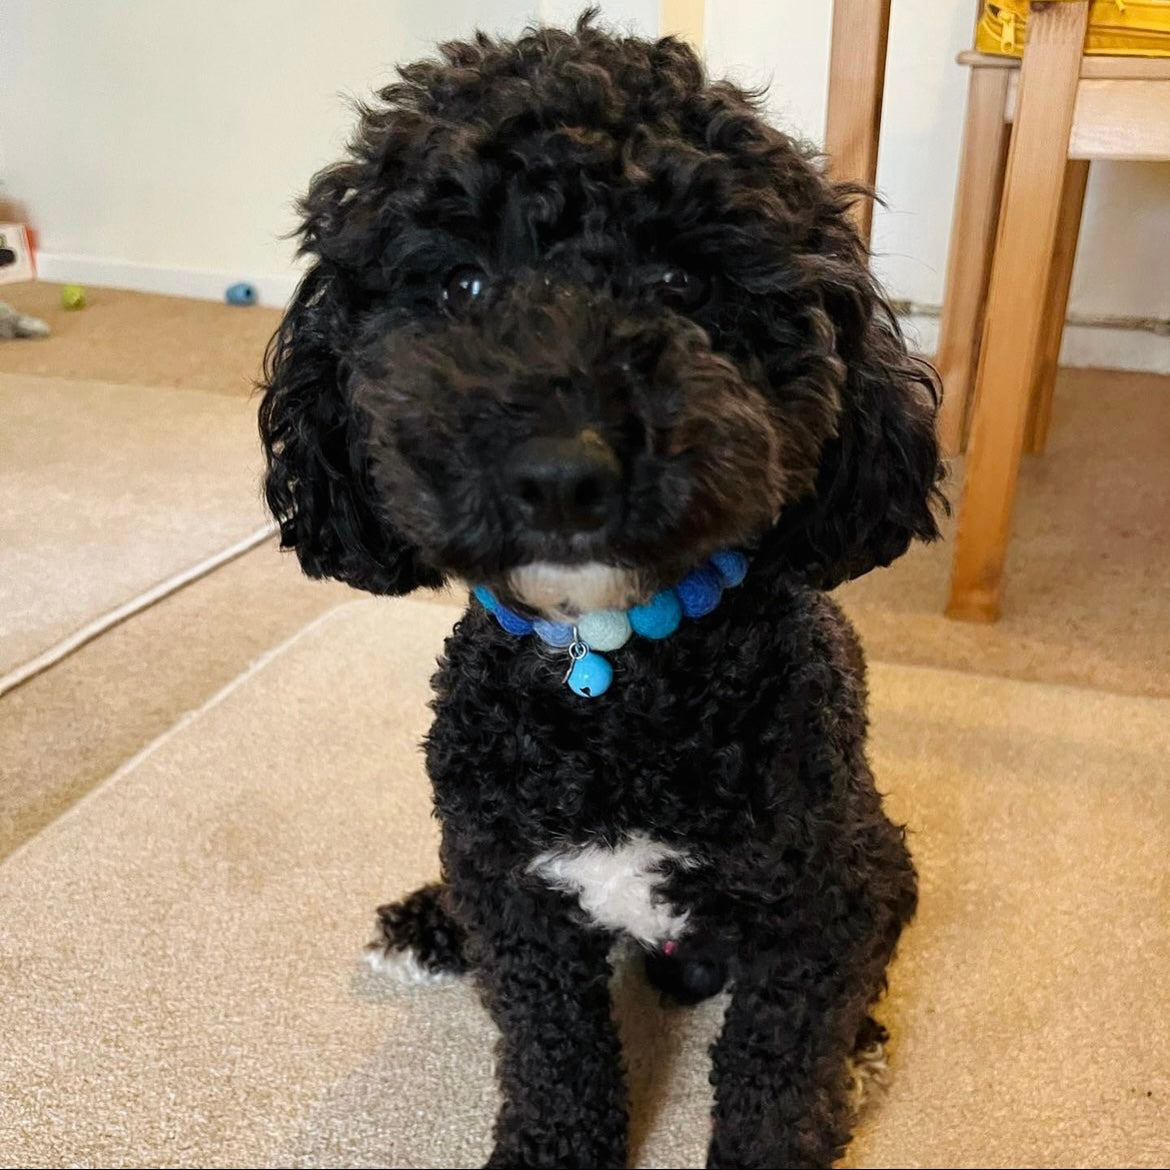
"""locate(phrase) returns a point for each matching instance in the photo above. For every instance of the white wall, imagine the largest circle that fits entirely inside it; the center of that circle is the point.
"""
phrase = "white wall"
(155, 140)
(172, 133)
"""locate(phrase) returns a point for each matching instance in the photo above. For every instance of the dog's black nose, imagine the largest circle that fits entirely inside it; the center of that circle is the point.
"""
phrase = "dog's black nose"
(565, 485)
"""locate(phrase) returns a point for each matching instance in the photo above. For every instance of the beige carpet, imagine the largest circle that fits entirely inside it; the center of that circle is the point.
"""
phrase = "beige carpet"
(1087, 593)
(178, 953)
(69, 727)
(141, 339)
(108, 489)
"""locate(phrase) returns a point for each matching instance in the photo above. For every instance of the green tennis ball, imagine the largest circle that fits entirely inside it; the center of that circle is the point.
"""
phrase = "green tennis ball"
(72, 296)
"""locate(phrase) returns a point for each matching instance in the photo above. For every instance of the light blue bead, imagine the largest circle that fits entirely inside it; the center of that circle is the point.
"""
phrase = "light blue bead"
(659, 617)
(731, 566)
(512, 622)
(604, 629)
(553, 633)
(590, 676)
(699, 592)
(486, 598)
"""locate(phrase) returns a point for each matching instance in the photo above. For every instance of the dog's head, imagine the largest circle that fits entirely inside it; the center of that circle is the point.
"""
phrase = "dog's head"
(577, 318)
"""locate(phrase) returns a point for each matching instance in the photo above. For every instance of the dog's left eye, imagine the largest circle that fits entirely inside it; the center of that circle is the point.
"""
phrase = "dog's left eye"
(463, 286)
(679, 288)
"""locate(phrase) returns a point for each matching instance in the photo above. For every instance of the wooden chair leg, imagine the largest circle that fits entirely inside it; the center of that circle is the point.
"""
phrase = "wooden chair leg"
(977, 199)
(1064, 255)
(683, 19)
(857, 78)
(1015, 303)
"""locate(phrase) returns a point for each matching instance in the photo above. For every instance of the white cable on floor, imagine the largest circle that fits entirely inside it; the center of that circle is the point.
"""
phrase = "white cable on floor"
(184, 720)
(113, 617)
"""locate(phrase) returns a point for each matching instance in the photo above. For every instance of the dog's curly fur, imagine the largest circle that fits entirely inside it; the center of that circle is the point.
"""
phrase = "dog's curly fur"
(576, 232)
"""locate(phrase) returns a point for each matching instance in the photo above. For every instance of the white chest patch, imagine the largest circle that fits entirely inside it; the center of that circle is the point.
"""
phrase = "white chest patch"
(618, 887)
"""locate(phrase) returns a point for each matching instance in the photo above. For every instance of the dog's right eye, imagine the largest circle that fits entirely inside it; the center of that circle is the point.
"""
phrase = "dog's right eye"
(678, 288)
(463, 286)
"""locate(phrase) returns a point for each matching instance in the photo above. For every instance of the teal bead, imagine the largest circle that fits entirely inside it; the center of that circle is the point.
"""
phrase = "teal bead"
(486, 598)
(659, 617)
(731, 566)
(604, 629)
(590, 676)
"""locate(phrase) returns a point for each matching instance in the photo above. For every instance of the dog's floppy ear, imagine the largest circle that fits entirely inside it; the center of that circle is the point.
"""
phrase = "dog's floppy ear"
(317, 483)
(877, 486)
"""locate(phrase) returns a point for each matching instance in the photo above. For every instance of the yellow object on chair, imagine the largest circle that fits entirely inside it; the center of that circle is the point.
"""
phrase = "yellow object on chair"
(1117, 28)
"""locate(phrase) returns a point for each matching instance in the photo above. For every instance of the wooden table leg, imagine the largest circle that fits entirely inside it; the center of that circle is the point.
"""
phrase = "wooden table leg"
(857, 78)
(1016, 302)
(977, 199)
(1064, 254)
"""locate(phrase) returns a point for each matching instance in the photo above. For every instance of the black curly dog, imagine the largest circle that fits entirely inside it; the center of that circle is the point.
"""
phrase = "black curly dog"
(577, 318)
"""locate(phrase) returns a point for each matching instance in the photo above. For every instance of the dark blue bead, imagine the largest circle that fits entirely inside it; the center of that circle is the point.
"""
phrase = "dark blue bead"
(731, 566)
(699, 592)
(512, 622)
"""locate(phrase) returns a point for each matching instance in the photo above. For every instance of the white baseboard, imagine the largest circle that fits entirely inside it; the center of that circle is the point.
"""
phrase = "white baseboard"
(274, 289)
(1114, 347)
(1094, 346)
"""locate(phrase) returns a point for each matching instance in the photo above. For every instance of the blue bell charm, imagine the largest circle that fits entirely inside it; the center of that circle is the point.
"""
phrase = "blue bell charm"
(590, 675)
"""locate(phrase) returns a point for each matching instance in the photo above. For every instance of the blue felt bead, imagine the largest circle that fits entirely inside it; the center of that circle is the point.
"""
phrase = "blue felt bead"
(731, 566)
(699, 592)
(512, 622)
(604, 629)
(590, 676)
(659, 617)
(553, 633)
(486, 598)
(240, 294)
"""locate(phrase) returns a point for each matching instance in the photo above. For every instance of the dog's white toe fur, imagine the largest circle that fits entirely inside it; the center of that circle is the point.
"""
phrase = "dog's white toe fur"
(869, 1074)
(403, 967)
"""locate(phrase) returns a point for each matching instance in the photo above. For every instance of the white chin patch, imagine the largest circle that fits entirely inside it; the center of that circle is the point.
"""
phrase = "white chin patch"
(567, 591)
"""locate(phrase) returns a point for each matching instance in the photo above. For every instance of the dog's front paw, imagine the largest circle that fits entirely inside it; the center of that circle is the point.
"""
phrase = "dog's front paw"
(418, 942)
(585, 1131)
(592, 1151)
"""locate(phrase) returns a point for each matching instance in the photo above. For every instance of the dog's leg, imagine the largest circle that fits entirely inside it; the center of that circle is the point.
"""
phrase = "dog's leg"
(418, 941)
(544, 978)
(782, 1069)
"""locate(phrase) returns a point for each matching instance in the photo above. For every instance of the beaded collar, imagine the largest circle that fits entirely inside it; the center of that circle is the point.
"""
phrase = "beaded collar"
(590, 673)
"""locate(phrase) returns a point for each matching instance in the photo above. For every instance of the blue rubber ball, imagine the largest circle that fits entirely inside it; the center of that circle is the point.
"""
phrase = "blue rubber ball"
(731, 566)
(659, 617)
(699, 592)
(590, 676)
(240, 294)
